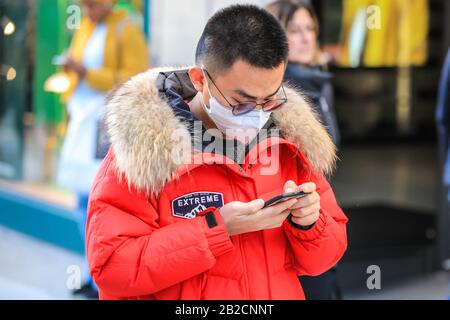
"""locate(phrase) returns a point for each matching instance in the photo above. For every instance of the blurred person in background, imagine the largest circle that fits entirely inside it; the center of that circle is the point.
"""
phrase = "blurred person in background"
(106, 50)
(307, 65)
(443, 127)
(443, 120)
(306, 70)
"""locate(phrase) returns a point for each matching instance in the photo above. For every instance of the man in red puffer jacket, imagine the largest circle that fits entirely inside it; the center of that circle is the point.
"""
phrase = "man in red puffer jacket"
(176, 210)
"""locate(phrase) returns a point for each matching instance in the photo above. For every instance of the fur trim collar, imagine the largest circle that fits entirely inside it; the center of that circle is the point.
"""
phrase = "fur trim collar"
(142, 124)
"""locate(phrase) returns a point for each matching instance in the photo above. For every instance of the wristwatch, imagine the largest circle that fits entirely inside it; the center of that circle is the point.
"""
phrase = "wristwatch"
(297, 226)
(208, 213)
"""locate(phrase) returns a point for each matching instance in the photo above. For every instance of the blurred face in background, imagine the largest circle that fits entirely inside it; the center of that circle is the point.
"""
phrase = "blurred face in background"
(96, 10)
(301, 32)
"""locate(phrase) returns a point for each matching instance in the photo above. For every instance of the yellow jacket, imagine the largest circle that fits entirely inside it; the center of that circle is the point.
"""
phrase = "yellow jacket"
(125, 53)
(401, 39)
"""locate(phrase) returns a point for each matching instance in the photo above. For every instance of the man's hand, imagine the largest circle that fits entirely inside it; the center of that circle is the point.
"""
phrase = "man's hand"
(305, 211)
(243, 217)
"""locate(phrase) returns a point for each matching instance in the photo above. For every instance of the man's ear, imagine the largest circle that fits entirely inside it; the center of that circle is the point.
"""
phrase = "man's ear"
(197, 78)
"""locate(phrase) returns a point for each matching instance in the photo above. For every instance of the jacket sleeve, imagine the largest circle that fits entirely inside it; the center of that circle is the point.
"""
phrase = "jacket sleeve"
(129, 254)
(318, 249)
(133, 59)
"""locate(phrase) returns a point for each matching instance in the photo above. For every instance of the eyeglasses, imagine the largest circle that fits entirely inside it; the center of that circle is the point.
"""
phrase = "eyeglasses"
(245, 107)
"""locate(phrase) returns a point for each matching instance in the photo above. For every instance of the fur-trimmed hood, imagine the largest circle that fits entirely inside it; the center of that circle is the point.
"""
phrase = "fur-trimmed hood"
(141, 125)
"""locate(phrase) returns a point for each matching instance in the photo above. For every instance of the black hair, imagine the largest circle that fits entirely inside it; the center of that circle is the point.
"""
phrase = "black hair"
(244, 32)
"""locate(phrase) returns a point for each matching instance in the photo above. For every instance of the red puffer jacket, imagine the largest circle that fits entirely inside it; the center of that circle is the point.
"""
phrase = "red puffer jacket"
(145, 239)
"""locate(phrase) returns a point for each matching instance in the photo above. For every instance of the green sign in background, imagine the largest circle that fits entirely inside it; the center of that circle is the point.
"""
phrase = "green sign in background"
(51, 39)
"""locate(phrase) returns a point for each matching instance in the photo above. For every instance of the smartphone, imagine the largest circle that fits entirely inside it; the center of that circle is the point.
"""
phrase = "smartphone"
(284, 197)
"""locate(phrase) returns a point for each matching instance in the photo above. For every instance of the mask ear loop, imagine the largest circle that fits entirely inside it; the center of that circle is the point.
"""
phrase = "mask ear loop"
(261, 115)
(208, 109)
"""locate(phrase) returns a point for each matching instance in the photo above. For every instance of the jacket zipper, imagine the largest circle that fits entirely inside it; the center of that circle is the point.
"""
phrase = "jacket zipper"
(241, 246)
(241, 249)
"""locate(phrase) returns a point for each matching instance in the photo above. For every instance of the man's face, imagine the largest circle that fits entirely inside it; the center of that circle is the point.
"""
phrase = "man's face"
(96, 10)
(243, 83)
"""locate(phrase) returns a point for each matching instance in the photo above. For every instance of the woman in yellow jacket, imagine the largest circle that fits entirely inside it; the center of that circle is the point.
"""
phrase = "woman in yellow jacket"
(125, 51)
(106, 50)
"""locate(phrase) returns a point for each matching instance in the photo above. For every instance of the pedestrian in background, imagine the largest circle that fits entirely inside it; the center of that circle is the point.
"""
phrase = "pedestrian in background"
(443, 130)
(106, 50)
(307, 67)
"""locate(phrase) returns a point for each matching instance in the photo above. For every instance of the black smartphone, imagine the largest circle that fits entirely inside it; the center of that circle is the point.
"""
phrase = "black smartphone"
(284, 197)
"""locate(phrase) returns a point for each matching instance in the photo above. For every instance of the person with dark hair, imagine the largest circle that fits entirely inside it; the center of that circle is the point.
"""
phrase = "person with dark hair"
(179, 208)
(306, 70)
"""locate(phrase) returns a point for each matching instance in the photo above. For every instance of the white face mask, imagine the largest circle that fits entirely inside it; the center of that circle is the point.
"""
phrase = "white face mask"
(243, 127)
